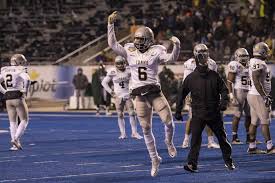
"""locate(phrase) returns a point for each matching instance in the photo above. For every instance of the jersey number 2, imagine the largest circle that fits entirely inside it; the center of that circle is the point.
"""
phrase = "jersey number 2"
(142, 75)
(9, 80)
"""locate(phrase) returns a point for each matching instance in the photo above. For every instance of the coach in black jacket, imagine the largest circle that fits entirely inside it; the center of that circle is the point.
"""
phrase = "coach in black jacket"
(209, 96)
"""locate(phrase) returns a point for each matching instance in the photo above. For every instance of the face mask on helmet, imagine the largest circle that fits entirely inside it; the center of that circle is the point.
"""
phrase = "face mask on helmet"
(242, 56)
(120, 63)
(261, 50)
(18, 60)
(143, 39)
(201, 54)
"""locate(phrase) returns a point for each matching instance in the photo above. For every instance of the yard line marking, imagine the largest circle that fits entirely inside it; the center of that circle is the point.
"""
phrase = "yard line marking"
(83, 175)
(84, 164)
(4, 131)
(43, 162)
(7, 161)
(127, 166)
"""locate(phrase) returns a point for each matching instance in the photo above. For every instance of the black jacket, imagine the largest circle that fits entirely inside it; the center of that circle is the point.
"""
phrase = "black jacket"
(208, 93)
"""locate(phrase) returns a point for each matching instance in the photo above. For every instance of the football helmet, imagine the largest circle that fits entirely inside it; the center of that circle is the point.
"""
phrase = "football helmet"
(18, 59)
(241, 55)
(143, 38)
(261, 50)
(120, 63)
(201, 53)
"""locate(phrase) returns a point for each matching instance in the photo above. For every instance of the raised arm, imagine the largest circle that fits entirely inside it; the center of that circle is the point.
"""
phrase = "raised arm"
(112, 41)
(165, 57)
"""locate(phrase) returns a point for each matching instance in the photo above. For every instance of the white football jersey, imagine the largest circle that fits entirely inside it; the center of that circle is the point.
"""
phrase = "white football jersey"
(15, 78)
(190, 66)
(265, 78)
(143, 66)
(121, 80)
(242, 80)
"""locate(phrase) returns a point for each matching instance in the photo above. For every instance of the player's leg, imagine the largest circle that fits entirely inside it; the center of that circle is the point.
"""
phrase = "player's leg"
(144, 114)
(13, 121)
(216, 125)
(247, 121)
(162, 107)
(132, 117)
(186, 140)
(211, 141)
(120, 117)
(252, 101)
(238, 110)
(22, 111)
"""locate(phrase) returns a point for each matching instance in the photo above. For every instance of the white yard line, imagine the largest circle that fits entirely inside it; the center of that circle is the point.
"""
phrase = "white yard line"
(44, 162)
(85, 164)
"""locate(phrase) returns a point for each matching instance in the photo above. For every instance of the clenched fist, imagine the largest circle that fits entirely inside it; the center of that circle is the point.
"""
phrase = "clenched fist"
(112, 18)
(175, 40)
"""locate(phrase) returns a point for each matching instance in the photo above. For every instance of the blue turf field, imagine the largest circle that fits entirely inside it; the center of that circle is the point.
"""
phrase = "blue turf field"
(80, 147)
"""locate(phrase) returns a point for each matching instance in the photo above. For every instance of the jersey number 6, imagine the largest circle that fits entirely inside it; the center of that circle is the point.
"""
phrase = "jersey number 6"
(142, 75)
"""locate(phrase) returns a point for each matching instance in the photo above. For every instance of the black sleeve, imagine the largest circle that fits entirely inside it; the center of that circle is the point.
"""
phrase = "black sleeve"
(223, 90)
(183, 92)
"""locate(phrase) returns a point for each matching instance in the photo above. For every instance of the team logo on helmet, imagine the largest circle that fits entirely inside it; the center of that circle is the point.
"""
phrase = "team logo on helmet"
(18, 59)
(261, 50)
(143, 39)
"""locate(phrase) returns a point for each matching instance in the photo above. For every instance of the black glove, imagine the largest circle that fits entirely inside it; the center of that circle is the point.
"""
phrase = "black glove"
(268, 101)
(178, 116)
(223, 105)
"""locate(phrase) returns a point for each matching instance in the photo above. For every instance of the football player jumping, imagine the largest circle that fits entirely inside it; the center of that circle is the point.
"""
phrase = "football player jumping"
(120, 75)
(144, 58)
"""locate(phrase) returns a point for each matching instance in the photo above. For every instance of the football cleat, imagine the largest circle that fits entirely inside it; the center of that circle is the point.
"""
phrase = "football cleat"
(155, 166)
(255, 151)
(17, 144)
(270, 151)
(136, 136)
(213, 145)
(172, 151)
(123, 136)
(185, 144)
(14, 148)
(229, 165)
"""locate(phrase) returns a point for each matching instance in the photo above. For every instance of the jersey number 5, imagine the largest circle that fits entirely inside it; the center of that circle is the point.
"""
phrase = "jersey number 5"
(9, 80)
(142, 75)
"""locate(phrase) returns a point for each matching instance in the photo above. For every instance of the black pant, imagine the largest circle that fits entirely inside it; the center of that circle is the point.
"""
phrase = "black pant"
(215, 123)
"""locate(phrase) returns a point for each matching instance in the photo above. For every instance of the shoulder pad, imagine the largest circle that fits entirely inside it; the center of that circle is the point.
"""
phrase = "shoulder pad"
(158, 47)
(211, 61)
(130, 47)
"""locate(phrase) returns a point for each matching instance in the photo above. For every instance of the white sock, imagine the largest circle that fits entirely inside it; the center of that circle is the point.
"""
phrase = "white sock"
(13, 128)
(169, 132)
(121, 125)
(186, 137)
(21, 129)
(210, 139)
(269, 144)
(133, 123)
(234, 133)
(252, 145)
(150, 143)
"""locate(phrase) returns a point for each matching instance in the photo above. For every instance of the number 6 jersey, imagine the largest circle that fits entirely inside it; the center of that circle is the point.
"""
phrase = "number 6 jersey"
(15, 77)
(265, 78)
(242, 80)
(121, 80)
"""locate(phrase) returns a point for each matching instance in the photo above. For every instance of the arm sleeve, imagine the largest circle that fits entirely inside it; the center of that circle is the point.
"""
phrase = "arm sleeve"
(105, 83)
(118, 48)
(172, 57)
(183, 92)
(2, 90)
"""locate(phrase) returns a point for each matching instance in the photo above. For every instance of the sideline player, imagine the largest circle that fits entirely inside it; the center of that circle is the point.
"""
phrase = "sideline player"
(120, 75)
(238, 84)
(17, 83)
(144, 58)
(189, 67)
(259, 98)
